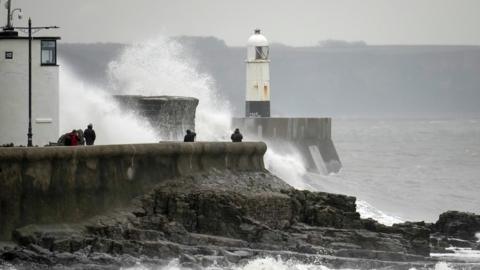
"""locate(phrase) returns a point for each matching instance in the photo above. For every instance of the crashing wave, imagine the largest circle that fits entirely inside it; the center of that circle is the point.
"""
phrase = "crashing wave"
(366, 210)
(268, 263)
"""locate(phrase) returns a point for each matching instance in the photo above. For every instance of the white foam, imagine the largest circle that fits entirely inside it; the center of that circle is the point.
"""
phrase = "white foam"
(459, 254)
(279, 264)
(443, 266)
(7, 267)
(366, 210)
(267, 263)
(161, 66)
(289, 167)
(477, 235)
(440, 266)
(81, 104)
(154, 67)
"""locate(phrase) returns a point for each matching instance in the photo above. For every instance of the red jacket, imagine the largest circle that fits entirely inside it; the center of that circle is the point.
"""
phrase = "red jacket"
(73, 138)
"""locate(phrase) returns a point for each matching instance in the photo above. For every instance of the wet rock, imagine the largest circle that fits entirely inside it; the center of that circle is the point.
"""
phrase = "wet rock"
(237, 256)
(454, 229)
(39, 250)
(206, 220)
(454, 224)
(418, 236)
(26, 255)
(324, 209)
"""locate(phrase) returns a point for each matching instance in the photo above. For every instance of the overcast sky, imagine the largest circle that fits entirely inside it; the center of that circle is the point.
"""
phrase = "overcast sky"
(294, 22)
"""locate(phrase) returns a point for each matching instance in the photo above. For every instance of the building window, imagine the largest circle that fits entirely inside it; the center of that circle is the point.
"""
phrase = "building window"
(49, 52)
(8, 55)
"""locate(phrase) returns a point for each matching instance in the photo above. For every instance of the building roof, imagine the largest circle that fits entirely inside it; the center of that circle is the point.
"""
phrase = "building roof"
(26, 38)
(14, 35)
(257, 39)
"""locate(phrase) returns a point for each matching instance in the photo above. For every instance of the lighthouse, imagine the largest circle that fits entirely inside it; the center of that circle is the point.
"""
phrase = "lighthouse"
(310, 137)
(257, 101)
(29, 92)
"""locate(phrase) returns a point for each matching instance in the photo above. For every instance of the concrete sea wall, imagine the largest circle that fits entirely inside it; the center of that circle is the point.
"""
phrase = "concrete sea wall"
(69, 184)
(170, 116)
(311, 137)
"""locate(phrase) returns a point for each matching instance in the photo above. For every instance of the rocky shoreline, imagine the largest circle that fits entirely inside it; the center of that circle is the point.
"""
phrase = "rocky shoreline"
(228, 218)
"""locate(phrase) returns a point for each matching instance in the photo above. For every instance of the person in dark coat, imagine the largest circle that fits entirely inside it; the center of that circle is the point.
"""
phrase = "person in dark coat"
(190, 136)
(81, 139)
(236, 136)
(73, 136)
(89, 135)
(64, 139)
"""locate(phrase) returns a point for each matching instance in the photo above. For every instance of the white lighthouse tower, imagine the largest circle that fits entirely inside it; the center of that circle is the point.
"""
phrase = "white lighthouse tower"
(14, 85)
(258, 76)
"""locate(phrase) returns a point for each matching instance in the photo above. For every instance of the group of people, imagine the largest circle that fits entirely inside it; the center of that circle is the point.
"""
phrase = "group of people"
(88, 136)
(78, 137)
(236, 136)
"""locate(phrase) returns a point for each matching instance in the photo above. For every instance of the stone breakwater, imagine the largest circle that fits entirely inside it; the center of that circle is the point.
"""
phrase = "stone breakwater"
(170, 116)
(69, 184)
(202, 203)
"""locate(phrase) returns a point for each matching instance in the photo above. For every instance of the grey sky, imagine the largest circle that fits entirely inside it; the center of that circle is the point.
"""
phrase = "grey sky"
(298, 22)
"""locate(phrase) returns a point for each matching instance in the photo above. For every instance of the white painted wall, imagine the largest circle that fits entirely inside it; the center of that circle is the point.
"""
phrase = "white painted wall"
(14, 95)
(258, 80)
(258, 71)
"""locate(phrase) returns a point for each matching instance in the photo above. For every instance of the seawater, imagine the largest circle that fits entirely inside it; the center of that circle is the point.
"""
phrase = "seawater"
(399, 169)
(262, 264)
(409, 169)
(268, 263)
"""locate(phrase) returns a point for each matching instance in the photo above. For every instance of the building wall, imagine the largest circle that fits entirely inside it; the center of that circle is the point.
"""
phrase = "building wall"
(14, 95)
(258, 81)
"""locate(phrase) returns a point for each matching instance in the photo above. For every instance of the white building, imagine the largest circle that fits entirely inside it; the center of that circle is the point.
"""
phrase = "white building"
(258, 76)
(14, 89)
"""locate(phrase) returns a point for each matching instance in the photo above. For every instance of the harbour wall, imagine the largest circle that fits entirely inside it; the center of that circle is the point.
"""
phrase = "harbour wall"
(169, 116)
(70, 184)
(311, 137)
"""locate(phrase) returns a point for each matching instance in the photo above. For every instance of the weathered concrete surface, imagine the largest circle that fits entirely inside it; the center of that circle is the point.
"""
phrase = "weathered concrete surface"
(311, 137)
(69, 184)
(170, 116)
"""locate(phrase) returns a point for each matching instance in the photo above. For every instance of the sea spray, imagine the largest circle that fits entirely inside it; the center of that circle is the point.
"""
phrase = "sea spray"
(268, 263)
(443, 266)
(366, 210)
(161, 66)
(81, 104)
(289, 167)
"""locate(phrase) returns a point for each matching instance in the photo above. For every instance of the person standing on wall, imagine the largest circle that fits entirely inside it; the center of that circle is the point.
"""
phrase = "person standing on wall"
(89, 135)
(73, 136)
(190, 136)
(236, 136)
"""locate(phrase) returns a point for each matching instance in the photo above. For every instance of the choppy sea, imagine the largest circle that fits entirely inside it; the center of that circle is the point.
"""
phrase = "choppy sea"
(399, 170)
(407, 169)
